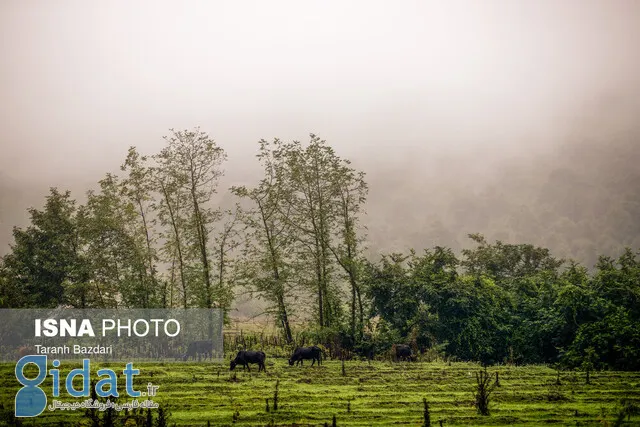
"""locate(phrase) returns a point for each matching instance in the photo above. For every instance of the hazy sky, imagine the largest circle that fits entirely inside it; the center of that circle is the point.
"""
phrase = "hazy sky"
(82, 80)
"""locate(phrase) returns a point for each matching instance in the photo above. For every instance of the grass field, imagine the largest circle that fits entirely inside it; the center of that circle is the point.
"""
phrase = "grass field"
(369, 394)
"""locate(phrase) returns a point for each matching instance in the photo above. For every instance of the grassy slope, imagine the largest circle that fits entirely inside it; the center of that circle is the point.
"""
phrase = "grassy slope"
(381, 394)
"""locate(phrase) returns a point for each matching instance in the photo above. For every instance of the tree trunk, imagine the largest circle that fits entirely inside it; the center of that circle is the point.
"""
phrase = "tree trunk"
(221, 266)
(282, 308)
(320, 293)
(202, 243)
(353, 309)
(285, 320)
(149, 257)
(178, 243)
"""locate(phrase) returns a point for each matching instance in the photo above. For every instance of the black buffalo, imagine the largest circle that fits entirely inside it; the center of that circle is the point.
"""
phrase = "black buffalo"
(244, 358)
(199, 348)
(306, 353)
(404, 352)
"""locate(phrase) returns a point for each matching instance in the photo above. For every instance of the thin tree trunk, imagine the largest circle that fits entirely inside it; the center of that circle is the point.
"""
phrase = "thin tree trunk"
(202, 243)
(320, 290)
(353, 310)
(285, 319)
(172, 281)
(178, 243)
(149, 257)
(115, 264)
(361, 312)
(222, 261)
(282, 308)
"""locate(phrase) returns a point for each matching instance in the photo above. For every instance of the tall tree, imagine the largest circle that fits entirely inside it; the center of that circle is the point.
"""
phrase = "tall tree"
(137, 187)
(268, 264)
(308, 206)
(171, 212)
(109, 228)
(194, 160)
(350, 195)
(45, 257)
(225, 241)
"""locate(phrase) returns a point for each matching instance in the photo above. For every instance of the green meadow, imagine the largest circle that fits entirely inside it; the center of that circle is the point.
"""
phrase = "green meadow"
(376, 393)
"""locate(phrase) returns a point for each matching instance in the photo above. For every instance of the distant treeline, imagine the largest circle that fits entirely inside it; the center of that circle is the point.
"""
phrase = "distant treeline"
(581, 200)
(510, 303)
(155, 237)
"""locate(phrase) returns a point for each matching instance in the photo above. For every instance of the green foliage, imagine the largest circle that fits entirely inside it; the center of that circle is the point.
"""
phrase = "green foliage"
(136, 190)
(157, 238)
(267, 266)
(602, 315)
(191, 162)
(511, 303)
(115, 249)
(304, 235)
(45, 258)
(425, 294)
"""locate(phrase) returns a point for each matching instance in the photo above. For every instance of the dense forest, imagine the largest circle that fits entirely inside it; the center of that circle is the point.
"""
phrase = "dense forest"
(162, 233)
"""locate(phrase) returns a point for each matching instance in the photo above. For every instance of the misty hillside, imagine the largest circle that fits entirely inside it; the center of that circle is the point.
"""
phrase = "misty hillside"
(580, 200)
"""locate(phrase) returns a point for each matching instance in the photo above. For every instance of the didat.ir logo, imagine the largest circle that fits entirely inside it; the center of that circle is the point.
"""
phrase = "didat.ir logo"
(31, 399)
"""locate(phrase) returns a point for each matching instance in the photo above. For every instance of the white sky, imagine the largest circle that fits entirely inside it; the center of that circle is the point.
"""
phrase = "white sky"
(80, 81)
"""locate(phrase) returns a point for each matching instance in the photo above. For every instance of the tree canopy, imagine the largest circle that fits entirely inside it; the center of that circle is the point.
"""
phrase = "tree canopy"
(157, 237)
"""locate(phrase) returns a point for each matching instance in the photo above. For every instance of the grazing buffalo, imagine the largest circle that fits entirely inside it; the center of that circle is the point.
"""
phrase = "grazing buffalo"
(199, 348)
(244, 358)
(403, 352)
(306, 353)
